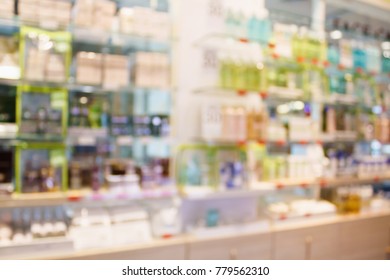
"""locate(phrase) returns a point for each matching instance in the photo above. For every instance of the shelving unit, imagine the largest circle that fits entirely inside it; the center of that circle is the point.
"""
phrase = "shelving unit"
(201, 228)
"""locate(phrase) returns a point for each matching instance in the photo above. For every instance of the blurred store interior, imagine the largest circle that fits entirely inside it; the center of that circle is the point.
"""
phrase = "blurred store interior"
(207, 129)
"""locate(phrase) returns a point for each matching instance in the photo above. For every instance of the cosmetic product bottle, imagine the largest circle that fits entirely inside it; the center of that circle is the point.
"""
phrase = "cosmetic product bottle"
(240, 73)
(265, 27)
(252, 28)
(212, 218)
(193, 171)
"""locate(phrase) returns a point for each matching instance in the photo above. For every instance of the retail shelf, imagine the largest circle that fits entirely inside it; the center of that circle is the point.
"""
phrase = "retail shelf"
(247, 228)
(96, 89)
(280, 143)
(272, 94)
(130, 140)
(375, 9)
(124, 249)
(280, 184)
(86, 136)
(207, 193)
(94, 36)
(336, 98)
(225, 233)
(82, 196)
(296, 218)
(224, 41)
(37, 248)
(346, 181)
(117, 39)
(324, 182)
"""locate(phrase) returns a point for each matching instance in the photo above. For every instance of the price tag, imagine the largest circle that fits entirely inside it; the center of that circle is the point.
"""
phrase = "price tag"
(210, 60)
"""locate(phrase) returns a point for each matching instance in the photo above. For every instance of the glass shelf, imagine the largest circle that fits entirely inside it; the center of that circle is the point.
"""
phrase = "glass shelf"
(95, 36)
(272, 94)
(224, 41)
(378, 10)
(83, 196)
(96, 89)
(338, 137)
(130, 140)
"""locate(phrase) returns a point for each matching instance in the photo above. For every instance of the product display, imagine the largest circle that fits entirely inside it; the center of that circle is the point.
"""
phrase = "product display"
(144, 21)
(300, 209)
(23, 226)
(41, 167)
(151, 70)
(225, 123)
(89, 68)
(7, 9)
(41, 112)
(47, 13)
(9, 58)
(95, 14)
(46, 55)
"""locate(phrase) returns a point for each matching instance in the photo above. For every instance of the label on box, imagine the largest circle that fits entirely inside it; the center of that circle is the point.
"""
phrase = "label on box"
(58, 100)
(57, 158)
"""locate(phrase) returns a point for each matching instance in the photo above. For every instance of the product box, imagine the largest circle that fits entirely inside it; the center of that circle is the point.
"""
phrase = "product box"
(9, 58)
(89, 68)
(42, 112)
(50, 14)
(7, 9)
(103, 15)
(98, 14)
(40, 167)
(55, 69)
(152, 70)
(83, 13)
(116, 71)
(28, 10)
(126, 20)
(46, 56)
(300, 129)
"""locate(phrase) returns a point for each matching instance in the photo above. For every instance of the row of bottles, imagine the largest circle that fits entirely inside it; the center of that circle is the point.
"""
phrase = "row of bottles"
(247, 24)
(355, 46)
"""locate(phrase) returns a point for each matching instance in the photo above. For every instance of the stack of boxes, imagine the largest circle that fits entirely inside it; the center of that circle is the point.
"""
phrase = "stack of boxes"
(7, 8)
(144, 22)
(9, 58)
(89, 68)
(152, 70)
(45, 66)
(97, 14)
(116, 71)
(53, 13)
(111, 71)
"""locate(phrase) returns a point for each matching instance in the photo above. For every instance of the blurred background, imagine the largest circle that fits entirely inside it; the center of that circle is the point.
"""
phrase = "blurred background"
(208, 129)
